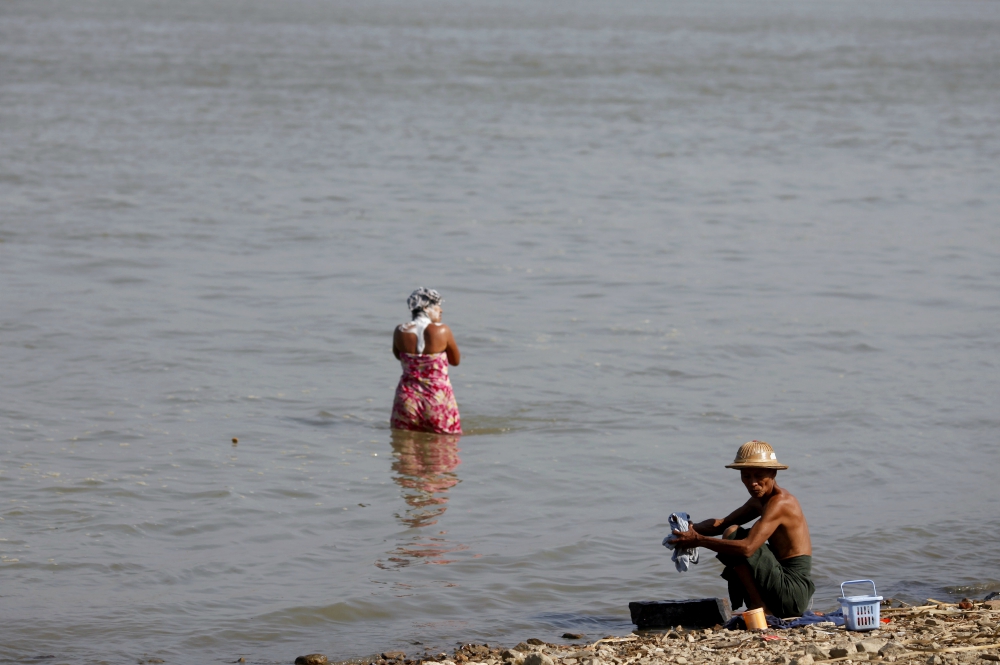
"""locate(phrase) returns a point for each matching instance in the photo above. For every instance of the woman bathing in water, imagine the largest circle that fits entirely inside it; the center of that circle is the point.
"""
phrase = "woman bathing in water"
(425, 347)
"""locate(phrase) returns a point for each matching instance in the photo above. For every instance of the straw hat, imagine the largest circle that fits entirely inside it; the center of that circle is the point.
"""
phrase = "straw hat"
(756, 455)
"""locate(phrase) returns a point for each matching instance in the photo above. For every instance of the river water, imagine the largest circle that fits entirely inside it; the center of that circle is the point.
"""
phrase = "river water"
(661, 229)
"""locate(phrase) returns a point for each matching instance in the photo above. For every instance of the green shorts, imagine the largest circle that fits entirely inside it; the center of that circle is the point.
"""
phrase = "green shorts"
(785, 586)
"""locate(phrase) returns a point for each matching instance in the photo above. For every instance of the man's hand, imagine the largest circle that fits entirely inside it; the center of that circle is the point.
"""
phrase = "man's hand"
(685, 540)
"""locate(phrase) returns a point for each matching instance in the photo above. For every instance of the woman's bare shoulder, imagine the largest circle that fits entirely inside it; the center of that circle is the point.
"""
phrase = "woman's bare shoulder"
(439, 329)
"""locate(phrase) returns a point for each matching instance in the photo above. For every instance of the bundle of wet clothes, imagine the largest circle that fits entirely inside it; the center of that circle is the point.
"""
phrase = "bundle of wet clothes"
(682, 557)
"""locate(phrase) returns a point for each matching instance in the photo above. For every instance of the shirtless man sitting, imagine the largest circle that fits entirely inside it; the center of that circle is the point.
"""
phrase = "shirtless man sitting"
(775, 574)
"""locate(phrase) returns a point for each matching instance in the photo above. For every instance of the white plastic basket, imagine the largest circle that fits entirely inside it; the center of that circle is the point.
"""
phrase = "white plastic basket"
(860, 612)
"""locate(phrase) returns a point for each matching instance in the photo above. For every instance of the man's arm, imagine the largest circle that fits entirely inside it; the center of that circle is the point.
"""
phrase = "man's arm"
(769, 521)
(714, 527)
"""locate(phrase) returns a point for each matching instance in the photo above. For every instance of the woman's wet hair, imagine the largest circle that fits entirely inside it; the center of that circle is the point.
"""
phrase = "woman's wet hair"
(421, 299)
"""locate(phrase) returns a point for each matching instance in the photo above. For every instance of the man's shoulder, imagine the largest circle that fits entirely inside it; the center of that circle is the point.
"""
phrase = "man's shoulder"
(784, 500)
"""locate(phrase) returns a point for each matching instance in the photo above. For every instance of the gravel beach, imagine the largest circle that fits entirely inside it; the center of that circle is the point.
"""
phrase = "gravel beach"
(935, 633)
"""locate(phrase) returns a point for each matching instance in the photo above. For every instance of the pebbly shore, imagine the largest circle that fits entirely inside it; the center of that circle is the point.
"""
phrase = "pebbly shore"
(935, 634)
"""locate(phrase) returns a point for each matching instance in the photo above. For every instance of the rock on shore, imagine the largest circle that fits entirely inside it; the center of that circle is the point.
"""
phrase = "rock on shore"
(939, 634)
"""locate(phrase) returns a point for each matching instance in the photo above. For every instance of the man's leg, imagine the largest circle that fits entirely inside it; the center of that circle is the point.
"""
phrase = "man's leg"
(753, 599)
(745, 574)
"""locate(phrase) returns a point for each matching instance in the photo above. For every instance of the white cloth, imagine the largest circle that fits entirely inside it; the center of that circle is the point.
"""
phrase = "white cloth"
(682, 557)
(417, 327)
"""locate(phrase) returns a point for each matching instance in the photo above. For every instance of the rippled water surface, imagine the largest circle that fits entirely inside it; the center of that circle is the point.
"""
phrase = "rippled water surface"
(661, 229)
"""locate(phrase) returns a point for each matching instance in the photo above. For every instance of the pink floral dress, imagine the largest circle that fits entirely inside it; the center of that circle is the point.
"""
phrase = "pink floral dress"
(424, 399)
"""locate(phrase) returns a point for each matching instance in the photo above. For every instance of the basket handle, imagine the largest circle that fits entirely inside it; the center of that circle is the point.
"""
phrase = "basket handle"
(874, 592)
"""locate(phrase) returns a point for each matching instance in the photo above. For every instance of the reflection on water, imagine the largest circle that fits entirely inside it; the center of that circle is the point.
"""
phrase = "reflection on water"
(424, 467)
(432, 549)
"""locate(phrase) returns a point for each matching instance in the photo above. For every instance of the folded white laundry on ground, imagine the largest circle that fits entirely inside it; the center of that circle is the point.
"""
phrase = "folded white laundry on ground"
(682, 557)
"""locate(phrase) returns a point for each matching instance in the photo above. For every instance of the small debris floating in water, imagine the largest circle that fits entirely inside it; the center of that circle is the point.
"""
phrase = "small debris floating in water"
(235, 440)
